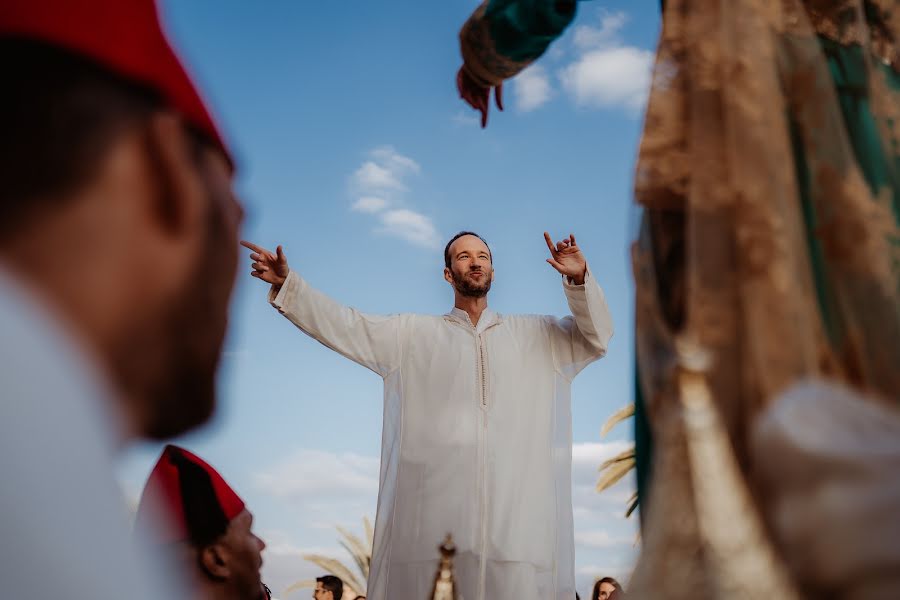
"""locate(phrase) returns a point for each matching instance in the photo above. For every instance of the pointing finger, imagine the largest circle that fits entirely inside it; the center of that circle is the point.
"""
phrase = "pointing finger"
(252, 246)
(280, 252)
(549, 243)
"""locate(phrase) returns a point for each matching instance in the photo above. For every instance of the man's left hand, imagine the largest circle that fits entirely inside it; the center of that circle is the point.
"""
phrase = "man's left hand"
(567, 259)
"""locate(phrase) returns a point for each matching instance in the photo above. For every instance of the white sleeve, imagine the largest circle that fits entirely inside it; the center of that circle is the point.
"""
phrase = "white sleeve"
(583, 337)
(370, 340)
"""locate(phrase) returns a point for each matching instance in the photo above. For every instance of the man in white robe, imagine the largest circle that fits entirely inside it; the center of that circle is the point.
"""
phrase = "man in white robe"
(477, 437)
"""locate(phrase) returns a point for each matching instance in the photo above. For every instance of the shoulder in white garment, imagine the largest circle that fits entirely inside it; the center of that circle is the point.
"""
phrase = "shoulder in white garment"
(64, 529)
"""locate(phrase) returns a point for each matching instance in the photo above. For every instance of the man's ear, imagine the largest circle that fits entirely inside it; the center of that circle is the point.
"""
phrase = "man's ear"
(181, 198)
(448, 277)
(214, 561)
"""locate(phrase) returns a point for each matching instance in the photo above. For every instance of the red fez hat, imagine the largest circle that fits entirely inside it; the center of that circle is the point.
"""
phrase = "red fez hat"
(125, 36)
(198, 503)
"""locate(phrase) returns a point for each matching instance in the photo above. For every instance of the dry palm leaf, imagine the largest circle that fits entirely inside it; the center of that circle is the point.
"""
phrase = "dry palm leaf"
(617, 417)
(370, 534)
(615, 469)
(632, 505)
(357, 549)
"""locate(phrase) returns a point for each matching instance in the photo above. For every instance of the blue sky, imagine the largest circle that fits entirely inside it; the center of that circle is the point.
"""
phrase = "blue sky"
(356, 154)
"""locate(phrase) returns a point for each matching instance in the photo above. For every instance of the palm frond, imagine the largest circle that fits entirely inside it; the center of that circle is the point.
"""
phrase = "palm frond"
(336, 567)
(370, 534)
(358, 550)
(632, 505)
(359, 560)
(611, 473)
(624, 455)
(617, 417)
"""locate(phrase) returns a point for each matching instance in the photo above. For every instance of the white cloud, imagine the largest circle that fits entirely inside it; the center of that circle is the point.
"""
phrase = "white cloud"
(412, 226)
(380, 185)
(311, 476)
(394, 161)
(600, 538)
(610, 77)
(384, 172)
(372, 177)
(369, 204)
(606, 72)
(532, 88)
(587, 37)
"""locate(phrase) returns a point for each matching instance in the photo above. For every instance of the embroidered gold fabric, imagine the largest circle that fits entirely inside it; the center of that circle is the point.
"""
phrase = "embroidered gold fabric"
(743, 102)
(703, 535)
(872, 23)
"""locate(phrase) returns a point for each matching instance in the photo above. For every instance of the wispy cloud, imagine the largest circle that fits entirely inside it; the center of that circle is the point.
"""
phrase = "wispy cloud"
(532, 88)
(600, 538)
(311, 475)
(607, 73)
(369, 204)
(610, 78)
(587, 37)
(466, 119)
(380, 186)
(411, 226)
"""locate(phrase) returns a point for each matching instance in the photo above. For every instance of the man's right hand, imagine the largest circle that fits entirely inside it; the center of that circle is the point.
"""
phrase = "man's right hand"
(271, 268)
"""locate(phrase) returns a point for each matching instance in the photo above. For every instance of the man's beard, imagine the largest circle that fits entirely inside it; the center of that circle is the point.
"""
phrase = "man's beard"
(469, 288)
(168, 365)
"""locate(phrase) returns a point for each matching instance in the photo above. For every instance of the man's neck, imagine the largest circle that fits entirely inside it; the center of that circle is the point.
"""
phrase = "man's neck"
(474, 307)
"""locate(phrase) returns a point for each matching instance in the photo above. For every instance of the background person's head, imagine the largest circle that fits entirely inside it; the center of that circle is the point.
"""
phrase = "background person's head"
(604, 589)
(328, 587)
(468, 265)
(189, 511)
(117, 208)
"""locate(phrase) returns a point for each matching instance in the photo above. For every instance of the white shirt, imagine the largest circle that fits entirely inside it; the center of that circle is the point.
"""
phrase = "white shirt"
(477, 438)
(64, 529)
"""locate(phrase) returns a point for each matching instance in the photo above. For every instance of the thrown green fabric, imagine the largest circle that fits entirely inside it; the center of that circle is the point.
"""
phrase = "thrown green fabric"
(523, 29)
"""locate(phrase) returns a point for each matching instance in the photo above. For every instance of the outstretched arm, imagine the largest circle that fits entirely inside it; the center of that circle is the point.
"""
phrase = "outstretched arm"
(501, 38)
(370, 340)
(583, 337)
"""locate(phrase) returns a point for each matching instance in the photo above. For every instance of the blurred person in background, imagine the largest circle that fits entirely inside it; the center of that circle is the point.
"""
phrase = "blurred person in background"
(191, 514)
(604, 588)
(328, 587)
